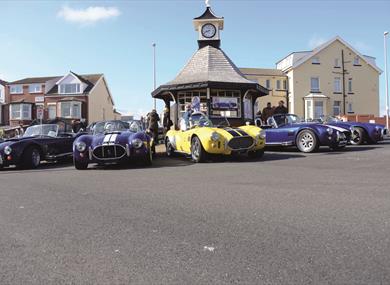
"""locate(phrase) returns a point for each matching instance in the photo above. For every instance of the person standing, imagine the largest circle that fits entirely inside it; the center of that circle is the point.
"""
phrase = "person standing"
(281, 109)
(167, 123)
(267, 112)
(153, 119)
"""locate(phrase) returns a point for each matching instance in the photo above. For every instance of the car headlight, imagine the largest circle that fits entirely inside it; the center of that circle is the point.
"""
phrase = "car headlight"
(7, 150)
(137, 143)
(81, 146)
(215, 136)
(262, 134)
(330, 131)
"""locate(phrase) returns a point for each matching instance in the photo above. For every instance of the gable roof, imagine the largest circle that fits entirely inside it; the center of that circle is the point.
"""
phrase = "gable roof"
(89, 79)
(262, 72)
(31, 80)
(328, 43)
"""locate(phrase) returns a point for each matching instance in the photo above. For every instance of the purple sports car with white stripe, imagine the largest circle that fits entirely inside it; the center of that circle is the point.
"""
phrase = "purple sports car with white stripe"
(112, 142)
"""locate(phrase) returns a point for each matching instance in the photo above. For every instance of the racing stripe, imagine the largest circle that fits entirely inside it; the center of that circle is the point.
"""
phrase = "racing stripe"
(106, 139)
(233, 132)
(241, 132)
(113, 138)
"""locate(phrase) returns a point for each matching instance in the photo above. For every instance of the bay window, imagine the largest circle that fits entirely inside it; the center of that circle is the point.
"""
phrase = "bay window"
(71, 109)
(20, 111)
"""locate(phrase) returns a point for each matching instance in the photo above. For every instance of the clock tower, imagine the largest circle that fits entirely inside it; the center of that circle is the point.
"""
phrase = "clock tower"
(208, 26)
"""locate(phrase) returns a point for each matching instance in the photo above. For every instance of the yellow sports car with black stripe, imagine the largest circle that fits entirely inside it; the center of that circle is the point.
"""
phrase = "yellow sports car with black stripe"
(199, 138)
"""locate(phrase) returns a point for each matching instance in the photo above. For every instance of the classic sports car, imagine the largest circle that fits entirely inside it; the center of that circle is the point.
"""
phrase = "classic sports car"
(361, 132)
(198, 138)
(289, 130)
(39, 142)
(112, 142)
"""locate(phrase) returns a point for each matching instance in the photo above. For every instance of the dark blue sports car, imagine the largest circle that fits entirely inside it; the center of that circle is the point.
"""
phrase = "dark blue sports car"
(289, 130)
(40, 142)
(361, 132)
(112, 142)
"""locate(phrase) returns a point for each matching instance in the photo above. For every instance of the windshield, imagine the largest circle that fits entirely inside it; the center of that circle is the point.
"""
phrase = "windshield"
(109, 127)
(200, 120)
(330, 119)
(287, 119)
(42, 130)
(135, 126)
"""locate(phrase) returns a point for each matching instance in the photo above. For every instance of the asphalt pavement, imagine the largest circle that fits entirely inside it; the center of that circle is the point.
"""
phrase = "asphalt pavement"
(288, 218)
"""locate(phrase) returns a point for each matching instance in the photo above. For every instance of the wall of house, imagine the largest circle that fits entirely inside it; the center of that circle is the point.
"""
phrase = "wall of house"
(100, 104)
(365, 81)
(2, 102)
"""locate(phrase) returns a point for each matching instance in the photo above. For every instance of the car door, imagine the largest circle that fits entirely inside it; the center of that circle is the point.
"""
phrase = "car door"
(284, 135)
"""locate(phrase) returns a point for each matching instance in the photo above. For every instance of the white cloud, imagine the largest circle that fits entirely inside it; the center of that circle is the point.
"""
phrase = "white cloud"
(316, 41)
(89, 15)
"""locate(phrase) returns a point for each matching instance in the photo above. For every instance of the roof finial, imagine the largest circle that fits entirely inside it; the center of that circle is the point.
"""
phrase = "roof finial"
(207, 3)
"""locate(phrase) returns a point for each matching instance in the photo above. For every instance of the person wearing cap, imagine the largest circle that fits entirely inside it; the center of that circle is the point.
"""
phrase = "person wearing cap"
(281, 109)
(153, 119)
(167, 122)
(267, 112)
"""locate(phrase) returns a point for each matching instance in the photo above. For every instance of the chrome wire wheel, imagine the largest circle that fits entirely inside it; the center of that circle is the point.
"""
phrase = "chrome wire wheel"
(307, 141)
(195, 149)
(35, 158)
(357, 136)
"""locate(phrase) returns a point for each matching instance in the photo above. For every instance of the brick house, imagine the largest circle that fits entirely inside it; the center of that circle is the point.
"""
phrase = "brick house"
(69, 97)
(2, 99)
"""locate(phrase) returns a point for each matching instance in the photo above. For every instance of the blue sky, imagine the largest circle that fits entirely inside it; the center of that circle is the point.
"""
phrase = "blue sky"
(44, 38)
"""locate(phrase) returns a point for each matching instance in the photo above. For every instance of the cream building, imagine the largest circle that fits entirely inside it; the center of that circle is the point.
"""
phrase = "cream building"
(332, 79)
(274, 80)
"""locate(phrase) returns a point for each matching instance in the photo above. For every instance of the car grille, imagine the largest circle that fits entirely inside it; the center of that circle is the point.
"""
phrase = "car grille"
(109, 152)
(240, 143)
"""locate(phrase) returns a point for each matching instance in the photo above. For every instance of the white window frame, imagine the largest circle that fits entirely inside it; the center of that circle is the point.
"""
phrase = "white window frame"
(48, 110)
(71, 111)
(16, 91)
(337, 62)
(21, 111)
(337, 85)
(278, 85)
(336, 107)
(350, 86)
(356, 60)
(268, 84)
(34, 85)
(284, 84)
(311, 84)
(63, 91)
(350, 108)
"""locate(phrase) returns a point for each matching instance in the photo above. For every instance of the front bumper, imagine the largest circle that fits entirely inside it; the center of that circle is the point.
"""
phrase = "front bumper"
(222, 147)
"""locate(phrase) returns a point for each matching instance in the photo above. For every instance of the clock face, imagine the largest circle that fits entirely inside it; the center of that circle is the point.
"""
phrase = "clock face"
(209, 31)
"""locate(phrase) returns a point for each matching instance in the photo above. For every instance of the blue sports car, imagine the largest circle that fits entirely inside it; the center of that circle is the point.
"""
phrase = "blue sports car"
(112, 142)
(361, 132)
(289, 130)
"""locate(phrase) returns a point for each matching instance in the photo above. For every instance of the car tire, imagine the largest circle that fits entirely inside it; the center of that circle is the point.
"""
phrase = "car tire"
(79, 165)
(256, 154)
(198, 154)
(307, 141)
(169, 148)
(359, 133)
(31, 158)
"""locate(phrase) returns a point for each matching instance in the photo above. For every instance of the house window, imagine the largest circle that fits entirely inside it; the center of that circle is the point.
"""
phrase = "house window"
(337, 85)
(309, 110)
(315, 60)
(35, 88)
(350, 108)
(336, 108)
(70, 110)
(268, 84)
(318, 109)
(20, 111)
(284, 84)
(278, 85)
(350, 85)
(52, 111)
(337, 62)
(72, 88)
(315, 84)
(356, 60)
(16, 89)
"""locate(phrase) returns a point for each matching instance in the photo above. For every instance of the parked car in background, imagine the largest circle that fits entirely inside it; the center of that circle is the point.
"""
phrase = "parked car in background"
(38, 143)
(199, 138)
(112, 142)
(361, 132)
(290, 130)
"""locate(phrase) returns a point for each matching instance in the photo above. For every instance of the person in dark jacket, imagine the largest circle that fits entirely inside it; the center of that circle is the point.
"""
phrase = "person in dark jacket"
(167, 123)
(267, 112)
(281, 109)
(153, 119)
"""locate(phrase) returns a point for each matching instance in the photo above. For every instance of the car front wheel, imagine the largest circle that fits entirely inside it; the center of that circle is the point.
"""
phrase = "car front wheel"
(169, 148)
(80, 165)
(31, 158)
(307, 141)
(198, 154)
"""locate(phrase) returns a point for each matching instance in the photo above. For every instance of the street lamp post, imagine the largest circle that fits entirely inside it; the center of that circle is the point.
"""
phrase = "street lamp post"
(154, 73)
(386, 79)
